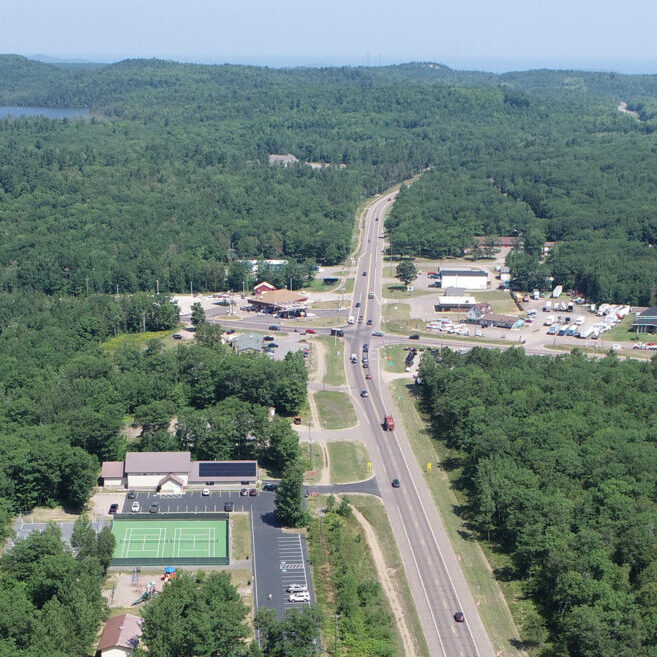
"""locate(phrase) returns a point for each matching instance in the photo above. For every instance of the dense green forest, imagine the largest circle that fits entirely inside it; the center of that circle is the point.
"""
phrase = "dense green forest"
(559, 462)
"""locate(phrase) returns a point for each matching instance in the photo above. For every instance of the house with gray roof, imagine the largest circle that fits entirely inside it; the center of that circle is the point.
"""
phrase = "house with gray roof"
(248, 342)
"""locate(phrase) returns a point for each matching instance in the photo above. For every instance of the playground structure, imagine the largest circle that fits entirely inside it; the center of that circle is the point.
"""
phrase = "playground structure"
(151, 591)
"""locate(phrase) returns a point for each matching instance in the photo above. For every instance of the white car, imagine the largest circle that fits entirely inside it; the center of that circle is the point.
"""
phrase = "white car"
(297, 588)
(303, 596)
(206, 492)
(135, 507)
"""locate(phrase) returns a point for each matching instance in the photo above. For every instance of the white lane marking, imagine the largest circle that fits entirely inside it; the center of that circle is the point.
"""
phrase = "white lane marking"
(426, 595)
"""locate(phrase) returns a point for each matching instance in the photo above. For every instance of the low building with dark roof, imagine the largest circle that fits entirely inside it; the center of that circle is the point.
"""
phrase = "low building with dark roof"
(646, 322)
(466, 277)
(248, 342)
(501, 321)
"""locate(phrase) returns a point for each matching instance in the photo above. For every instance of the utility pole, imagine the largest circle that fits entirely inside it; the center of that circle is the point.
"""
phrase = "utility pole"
(157, 286)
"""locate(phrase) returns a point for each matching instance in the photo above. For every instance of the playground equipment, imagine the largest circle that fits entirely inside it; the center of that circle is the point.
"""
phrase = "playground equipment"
(169, 574)
(147, 594)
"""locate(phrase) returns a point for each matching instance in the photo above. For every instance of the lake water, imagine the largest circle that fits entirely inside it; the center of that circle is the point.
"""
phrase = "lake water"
(48, 112)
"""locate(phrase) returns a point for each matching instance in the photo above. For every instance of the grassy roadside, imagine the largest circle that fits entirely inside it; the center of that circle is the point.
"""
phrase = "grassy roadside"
(335, 410)
(397, 291)
(348, 461)
(240, 536)
(477, 559)
(336, 545)
(316, 464)
(392, 358)
(334, 374)
(374, 511)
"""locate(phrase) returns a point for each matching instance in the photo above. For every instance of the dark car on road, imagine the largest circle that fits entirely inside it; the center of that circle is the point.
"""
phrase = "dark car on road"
(357, 304)
(415, 336)
(395, 483)
(229, 506)
(114, 508)
(270, 486)
(459, 617)
(364, 393)
(274, 327)
(154, 508)
(369, 322)
(364, 273)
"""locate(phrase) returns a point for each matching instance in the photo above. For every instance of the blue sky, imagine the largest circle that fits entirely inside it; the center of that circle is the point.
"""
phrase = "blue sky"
(491, 35)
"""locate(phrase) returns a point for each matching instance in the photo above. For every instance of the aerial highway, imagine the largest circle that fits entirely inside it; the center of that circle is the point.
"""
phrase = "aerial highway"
(432, 568)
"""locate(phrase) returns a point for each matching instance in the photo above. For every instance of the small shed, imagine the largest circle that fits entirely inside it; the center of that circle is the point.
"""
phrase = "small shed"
(120, 636)
(112, 474)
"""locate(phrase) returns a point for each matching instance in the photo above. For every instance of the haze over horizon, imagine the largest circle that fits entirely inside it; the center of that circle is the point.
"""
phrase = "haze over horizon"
(515, 35)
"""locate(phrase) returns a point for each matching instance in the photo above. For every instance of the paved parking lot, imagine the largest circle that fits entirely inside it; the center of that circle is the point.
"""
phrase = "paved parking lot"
(279, 558)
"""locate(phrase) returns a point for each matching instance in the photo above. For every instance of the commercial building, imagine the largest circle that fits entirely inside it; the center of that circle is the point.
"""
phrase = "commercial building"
(646, 322)
(470, 279)
(172, 472)
(280, 301)
(447, 304)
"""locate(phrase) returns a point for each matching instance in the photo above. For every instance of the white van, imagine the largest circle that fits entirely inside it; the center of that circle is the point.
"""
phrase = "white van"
(351, 319)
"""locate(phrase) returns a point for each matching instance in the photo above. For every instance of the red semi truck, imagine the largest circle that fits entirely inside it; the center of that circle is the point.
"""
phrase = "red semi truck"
(389, 423)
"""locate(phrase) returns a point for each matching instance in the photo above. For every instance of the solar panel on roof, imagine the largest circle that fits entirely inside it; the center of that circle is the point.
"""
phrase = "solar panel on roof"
(227, 469)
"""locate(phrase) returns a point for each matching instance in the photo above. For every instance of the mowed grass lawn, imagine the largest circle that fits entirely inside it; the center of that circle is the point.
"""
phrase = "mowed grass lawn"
(334, 357)
(500, 300)
(335, 410)
(392, 357)
(240, 536)
(348, 461)
(475, 561)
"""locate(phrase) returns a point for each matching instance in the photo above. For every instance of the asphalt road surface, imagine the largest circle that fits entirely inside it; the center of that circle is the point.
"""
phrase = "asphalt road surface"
(435, 577)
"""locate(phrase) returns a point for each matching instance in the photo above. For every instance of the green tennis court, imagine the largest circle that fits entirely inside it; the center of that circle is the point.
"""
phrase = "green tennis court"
(171, 540)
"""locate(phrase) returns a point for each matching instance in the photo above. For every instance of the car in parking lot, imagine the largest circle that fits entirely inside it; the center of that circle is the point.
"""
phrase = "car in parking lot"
(177, 336)
(364, 393)
(296, 588)
(253, 492)
(395, 483)
(272, 345)
(378, 334)
(114, 508)
(244, 492)
(154, 508)
(459, 617)
(132, 494)
(229, 506)
(205, 492)
(297, 420)
(270, 486)
(135, 507)
(302, 596)
(229, 331)
(268, 338)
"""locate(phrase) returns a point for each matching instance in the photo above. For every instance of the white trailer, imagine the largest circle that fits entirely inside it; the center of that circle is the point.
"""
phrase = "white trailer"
(556, 293)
